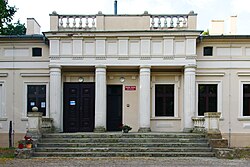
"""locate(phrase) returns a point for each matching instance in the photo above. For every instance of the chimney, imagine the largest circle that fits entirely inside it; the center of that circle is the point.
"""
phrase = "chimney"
(217, 27)
(115, 7)
(32, 27)
(233, 25)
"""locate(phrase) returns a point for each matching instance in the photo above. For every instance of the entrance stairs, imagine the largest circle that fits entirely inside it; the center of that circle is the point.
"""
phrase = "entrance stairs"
(123, 145)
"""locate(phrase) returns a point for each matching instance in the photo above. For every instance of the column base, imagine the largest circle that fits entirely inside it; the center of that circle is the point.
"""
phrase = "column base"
(99, 129)
(144, 130)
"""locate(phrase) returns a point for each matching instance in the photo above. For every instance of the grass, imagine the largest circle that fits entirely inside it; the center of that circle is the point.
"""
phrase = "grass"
(7, 152)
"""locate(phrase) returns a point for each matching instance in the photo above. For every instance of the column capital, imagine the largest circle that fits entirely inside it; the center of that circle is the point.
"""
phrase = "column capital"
(101, 66)
(145, 66)
(55, 66)
(191, 66)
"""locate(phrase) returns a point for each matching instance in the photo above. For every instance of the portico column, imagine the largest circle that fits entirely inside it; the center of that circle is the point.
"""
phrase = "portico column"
(55, 96)
(100, 99)
(144, 110)
(189, 96)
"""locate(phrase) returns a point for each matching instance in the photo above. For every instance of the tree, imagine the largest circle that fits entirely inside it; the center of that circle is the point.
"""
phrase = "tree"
(6, 16)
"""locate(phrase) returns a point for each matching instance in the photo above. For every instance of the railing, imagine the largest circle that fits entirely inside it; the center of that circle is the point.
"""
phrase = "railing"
(199, 124)
(169, 21)
(86, 22)
(108, 22)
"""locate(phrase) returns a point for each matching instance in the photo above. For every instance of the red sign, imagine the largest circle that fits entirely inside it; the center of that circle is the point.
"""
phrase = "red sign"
(131, 88)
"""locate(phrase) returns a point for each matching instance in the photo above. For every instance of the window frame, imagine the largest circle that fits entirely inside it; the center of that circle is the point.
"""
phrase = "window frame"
(3, 114)
(241, 99)
(219, 95)
(206, 54)
(32, 51)
(175, 100)
(24, 113)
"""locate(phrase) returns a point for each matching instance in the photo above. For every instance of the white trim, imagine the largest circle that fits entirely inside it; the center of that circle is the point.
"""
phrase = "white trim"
(153, 117)
(24, 112)
(3, 115)
(3, 74)
(34, 74)
(219, 95)
(240, 114)
(220, 74)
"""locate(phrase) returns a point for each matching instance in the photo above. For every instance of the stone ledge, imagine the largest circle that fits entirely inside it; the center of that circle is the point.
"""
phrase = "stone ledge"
(218, 143)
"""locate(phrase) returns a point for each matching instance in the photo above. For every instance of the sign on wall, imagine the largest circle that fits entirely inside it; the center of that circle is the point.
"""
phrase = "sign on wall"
(130, 88)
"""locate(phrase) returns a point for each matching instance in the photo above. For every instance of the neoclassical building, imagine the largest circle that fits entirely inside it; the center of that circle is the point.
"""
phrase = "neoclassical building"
(92, 73)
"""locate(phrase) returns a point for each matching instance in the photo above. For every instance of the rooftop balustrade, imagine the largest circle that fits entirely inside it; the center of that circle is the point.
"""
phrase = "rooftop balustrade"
(122, 22)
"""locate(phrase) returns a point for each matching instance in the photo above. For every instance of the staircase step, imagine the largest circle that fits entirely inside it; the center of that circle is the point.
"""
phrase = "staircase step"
(123, 144)
(122, 154)
(122, 140)
(123, 135)
(123, 149)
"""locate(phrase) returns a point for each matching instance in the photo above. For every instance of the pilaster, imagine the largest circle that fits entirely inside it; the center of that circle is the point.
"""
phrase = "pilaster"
(100, 99)
(189, 96)
(55, 96)
(144, 111)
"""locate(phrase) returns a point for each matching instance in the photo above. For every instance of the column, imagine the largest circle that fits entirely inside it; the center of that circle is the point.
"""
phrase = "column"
(144, 110)
(189, 96)
(100, 99)
(55, 96)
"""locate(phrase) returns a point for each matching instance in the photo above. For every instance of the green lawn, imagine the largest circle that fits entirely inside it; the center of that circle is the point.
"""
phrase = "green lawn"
(7, 152)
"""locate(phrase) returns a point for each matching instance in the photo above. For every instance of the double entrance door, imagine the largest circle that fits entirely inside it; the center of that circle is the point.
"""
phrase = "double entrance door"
(79, 107)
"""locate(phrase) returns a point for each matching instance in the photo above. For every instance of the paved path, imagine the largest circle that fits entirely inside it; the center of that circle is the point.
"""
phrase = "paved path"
(123, 162)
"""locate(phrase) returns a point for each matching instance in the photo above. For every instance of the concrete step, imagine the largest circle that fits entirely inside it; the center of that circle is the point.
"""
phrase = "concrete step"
(123, 149)
(123, 154)
(123, 140)
(123, 135)
(123, 144)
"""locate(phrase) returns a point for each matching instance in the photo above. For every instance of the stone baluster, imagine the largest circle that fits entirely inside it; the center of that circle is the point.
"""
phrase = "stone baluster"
(172, 22)
(80, 22)
(87, 22)
(67, 23)
(178, 22)
(165, 22)
(93, 22)
(159, 21)
(61, 22)
(184, 21)
(74, 22)
(153, 22)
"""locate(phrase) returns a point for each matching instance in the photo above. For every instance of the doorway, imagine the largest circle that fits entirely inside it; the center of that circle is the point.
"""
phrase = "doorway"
(79, 107)
(114, 107)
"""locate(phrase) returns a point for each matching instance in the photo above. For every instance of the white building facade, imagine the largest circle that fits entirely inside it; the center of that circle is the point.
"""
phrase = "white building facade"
(92, 73)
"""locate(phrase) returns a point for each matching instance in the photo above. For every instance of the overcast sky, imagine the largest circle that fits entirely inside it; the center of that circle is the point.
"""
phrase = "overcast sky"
(207, 9)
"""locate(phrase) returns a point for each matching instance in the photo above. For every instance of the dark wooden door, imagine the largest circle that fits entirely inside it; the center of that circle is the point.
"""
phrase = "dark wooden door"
(79, 107)
(114, 107)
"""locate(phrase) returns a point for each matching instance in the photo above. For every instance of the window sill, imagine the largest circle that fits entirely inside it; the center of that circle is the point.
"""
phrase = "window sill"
(24, 119)
(165, 118)
(3, 119)
(247, 118)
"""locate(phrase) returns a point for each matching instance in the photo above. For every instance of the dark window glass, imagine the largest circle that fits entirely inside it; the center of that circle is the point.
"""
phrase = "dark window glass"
(208, 51)
(164, 100)
(207, 100)
(246, 100)
(36, 52)
(36, 98)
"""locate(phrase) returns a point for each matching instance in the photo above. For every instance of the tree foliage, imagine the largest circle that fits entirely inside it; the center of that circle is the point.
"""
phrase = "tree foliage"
(6, 16)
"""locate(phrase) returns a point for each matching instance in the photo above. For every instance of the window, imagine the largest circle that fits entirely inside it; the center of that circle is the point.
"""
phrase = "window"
(207, 98)
(208, 51)
(36, 95)
(36, 52)
(246, 99)
(164, 100)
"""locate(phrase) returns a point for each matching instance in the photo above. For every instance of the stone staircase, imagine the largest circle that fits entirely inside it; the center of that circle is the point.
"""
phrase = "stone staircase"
(123, 145)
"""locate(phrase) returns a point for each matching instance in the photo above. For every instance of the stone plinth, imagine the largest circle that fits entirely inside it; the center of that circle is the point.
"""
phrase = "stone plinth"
(24, 153)
(212, 124)
(34, 124)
